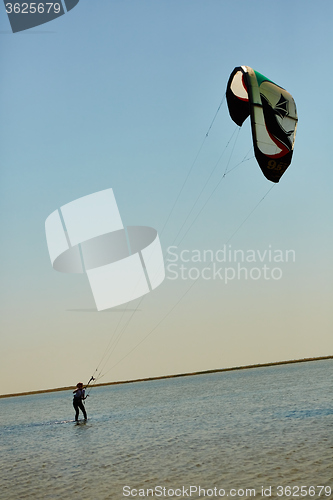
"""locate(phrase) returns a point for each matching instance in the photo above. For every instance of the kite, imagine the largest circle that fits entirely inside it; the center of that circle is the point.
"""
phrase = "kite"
(273, 118)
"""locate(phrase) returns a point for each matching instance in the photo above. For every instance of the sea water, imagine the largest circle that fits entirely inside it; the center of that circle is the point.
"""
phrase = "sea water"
(255, 433)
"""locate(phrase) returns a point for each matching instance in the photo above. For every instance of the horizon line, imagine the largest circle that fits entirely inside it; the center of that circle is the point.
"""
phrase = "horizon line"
(177, 375)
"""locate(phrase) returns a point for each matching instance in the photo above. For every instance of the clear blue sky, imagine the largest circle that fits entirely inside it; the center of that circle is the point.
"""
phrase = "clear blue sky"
(120, 94)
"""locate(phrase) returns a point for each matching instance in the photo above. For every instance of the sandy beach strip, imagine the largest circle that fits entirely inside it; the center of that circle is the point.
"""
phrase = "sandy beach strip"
(205, 372)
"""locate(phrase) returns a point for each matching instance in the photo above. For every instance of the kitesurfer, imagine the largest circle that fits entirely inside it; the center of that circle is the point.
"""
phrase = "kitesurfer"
(79, 396)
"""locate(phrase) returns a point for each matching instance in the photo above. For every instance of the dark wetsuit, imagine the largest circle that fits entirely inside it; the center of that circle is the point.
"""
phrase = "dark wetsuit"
(77, 403)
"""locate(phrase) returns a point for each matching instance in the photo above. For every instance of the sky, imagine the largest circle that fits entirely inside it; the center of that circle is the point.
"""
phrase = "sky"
(121, 94)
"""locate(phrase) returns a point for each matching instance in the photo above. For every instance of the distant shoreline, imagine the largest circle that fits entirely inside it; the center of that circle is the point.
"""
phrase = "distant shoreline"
(205, 372)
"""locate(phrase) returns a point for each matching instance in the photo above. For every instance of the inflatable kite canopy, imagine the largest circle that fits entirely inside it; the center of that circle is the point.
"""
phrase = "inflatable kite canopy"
(273, 118)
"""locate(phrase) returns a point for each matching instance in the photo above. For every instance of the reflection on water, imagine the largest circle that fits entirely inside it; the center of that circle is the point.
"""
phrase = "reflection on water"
(243, 429)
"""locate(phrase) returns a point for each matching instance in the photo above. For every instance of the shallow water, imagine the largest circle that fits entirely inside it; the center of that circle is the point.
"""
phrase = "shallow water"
(234, 430)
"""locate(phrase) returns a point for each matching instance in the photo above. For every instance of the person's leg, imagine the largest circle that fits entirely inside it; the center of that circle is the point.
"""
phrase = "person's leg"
(76, 407)
(82, 408)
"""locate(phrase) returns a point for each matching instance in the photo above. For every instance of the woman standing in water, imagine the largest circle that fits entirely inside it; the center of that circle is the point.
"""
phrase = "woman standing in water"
(79, 396)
